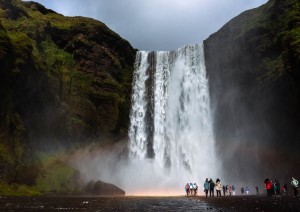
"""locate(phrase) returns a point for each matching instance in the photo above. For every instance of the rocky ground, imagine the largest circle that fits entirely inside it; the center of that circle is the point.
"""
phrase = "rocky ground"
(237, 203)
(255, 203)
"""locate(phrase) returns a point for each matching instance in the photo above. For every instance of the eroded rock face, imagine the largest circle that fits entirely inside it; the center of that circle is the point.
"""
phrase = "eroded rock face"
(100, 188)
(75, 70)
(254, 88)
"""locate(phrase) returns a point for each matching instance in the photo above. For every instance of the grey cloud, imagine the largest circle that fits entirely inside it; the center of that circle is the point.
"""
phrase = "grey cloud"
(157, 24)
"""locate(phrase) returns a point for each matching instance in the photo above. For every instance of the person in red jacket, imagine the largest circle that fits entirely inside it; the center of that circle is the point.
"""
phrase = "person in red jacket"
(268, 184)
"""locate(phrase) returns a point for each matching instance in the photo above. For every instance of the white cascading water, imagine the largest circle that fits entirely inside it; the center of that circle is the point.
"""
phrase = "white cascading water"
(170, 122)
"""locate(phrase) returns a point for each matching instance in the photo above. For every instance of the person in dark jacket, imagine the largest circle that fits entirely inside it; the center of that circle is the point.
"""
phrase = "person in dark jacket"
(211, 188)
(285, 189)
(256, 188)
(224, 190)
(242, 190)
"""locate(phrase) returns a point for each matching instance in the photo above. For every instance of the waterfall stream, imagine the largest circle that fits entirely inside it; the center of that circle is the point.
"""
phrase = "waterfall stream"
(170, 120)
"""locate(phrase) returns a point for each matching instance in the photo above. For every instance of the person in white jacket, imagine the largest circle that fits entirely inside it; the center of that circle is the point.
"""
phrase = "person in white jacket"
(218, 187)
(295, 185)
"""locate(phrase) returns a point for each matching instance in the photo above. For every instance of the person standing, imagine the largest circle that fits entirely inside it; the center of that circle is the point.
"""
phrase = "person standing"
(187, 189)
(233, 190)
(268, 187)
(230, 190)
(218, 187)
(247, 190)
(224, 189)
(295, 185)
(256, 188)
(191, 188)
(242, 190)
(211, 188)
(195, 189)
(285, 189)
(276, 187)
(206, 187)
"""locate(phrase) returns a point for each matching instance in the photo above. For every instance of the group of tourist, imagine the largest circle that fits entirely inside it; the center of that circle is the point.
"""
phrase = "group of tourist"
(247, 190)
(191, 189)
(273, 187)
(210, 186)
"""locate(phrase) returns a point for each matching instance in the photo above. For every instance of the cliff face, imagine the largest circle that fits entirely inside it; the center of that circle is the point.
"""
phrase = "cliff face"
(63, 80)
(253, 69)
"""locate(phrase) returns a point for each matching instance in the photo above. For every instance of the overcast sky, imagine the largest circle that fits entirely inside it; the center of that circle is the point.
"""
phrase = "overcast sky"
(157, 24)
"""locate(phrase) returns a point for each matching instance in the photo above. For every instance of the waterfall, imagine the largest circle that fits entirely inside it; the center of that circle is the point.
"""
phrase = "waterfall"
(170, 119)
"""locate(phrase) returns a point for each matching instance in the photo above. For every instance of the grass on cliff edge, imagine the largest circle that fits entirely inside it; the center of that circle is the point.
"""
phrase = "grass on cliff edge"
(18, 190)
(56, 178)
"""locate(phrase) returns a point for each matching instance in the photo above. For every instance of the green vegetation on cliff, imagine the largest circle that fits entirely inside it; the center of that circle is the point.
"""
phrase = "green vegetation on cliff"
(270, 32)
(280, 44)
(64, 81)
(57, 177)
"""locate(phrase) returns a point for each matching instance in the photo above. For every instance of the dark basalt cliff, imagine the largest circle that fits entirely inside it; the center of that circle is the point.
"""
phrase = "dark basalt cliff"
(63, 81)
(253, 68)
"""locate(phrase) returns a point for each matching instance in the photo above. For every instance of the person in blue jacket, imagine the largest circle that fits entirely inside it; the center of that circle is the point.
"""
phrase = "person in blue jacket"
(206, 187)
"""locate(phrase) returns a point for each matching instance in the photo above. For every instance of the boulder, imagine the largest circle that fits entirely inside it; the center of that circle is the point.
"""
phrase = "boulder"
(103, 189)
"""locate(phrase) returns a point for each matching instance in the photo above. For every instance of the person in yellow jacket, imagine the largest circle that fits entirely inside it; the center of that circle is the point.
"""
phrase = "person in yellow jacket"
(218, 187)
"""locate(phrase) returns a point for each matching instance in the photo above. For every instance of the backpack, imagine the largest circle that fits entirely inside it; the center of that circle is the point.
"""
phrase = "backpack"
(268, 185)
(187, 187)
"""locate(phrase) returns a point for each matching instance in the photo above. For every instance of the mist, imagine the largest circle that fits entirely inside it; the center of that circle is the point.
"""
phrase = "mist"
(110, 164)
